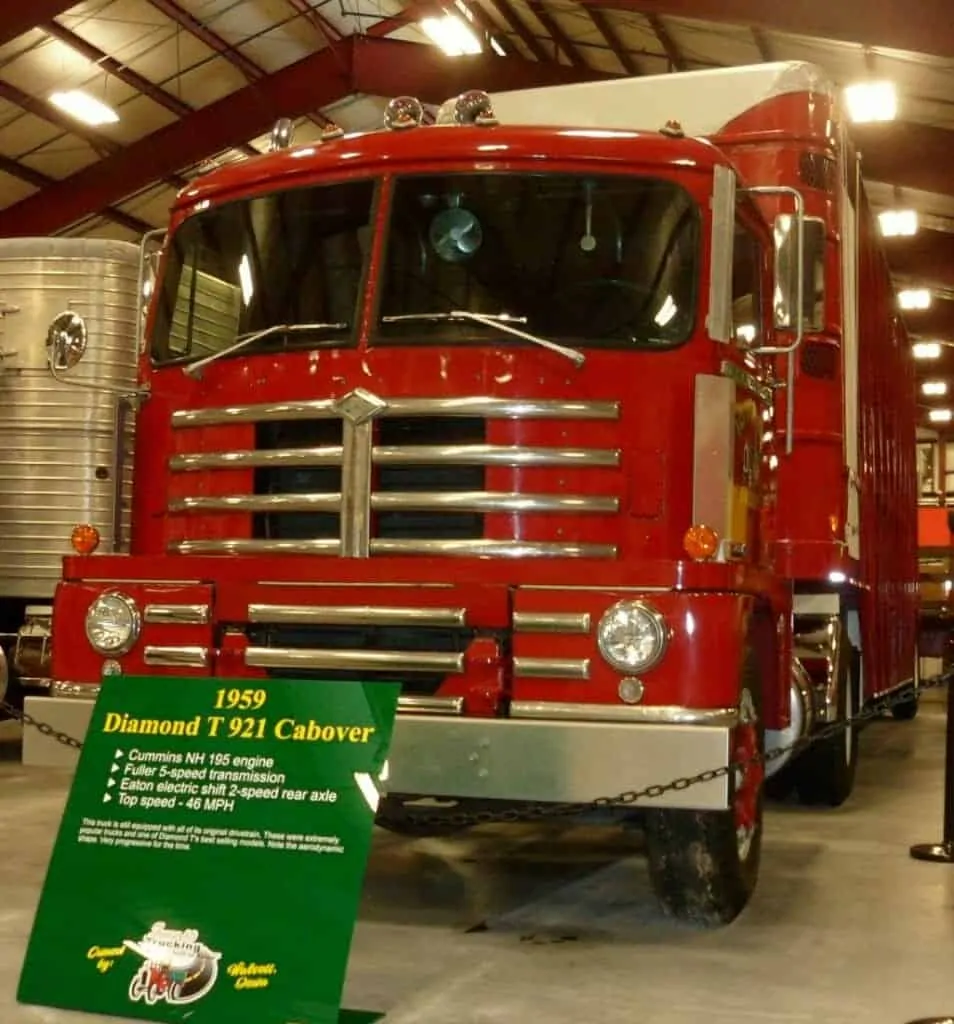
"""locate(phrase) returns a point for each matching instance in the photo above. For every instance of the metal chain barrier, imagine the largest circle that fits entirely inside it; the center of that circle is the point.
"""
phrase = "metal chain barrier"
(536, 811)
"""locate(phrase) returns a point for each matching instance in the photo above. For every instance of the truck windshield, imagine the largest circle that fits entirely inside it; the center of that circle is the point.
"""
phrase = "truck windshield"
(591, 260)
(283, 258)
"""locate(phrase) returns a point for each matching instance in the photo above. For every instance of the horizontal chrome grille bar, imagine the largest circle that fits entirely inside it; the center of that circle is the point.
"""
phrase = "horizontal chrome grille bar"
(452, 501)
(403, 455)
(494, 455)
(324, 546)
(260, 503)
(551, 668)
(328, 456)
(363, 615)
(177, 657)
(487, 407)
(399, 548)
(721, 717)
(551, 622)
(361, 661)
(431, 705)
(177, 614)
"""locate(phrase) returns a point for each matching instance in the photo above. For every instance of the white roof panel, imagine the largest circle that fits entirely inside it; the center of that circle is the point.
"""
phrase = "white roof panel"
(702, 101)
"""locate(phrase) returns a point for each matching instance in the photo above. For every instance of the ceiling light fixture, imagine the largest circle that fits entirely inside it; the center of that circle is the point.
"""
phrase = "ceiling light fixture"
(934, 387)
(914, 298)
(940, 415)
(926, 350)
(898, 223)
(452, 35)
(84, 107)
(871, 101)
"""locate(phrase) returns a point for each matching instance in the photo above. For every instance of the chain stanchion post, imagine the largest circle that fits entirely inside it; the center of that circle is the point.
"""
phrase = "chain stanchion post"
(943, 852)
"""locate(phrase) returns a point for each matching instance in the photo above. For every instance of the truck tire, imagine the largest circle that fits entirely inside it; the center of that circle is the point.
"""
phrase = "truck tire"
(704, 865)
(825, 773)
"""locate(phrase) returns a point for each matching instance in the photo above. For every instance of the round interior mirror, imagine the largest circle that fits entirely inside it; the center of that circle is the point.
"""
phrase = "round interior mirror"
(66, 340)
(456, 234)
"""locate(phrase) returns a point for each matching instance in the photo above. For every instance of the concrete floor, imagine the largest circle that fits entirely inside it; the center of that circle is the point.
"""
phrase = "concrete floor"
(556, 924)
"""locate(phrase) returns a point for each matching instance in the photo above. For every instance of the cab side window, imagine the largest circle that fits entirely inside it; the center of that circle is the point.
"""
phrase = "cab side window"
(746, 287)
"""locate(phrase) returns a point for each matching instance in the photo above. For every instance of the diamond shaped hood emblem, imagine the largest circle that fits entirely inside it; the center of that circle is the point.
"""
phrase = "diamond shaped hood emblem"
(359, 406)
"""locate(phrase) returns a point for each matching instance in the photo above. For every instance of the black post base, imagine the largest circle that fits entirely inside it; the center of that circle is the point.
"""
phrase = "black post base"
(937, 853)
(932, 1020)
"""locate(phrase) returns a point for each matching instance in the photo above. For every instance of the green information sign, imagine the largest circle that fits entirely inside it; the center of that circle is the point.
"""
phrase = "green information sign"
(211, 857)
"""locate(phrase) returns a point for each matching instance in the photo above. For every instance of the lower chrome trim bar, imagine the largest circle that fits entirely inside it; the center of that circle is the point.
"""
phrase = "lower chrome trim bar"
(360, 661)
(726, 718)
(431, 705)
(551, 668)
(176, 657)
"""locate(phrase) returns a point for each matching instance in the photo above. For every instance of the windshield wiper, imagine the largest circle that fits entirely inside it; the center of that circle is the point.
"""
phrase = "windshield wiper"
(500, 322)
(243, 340)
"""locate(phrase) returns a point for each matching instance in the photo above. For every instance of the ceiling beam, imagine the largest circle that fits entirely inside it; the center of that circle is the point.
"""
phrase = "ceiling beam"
(19, 17)
(869, 22)
(559, 37)
(38, 179)
(907, 155)
(936, 322)
(661, 32)
(927, 258)
(124, 73)
(520, 29)
(613, 41)
(380, 67)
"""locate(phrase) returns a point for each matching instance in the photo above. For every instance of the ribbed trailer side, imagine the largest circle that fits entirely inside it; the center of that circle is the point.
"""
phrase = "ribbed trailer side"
(887, 396)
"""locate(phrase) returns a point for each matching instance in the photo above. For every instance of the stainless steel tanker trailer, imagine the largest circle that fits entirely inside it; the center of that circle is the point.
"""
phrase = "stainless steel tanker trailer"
(65, 438)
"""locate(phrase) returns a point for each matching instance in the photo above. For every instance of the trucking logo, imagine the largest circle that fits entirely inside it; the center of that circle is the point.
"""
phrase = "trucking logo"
(176, 967)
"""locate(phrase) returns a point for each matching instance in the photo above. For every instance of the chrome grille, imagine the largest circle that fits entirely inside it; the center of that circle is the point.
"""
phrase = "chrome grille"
(354, 477)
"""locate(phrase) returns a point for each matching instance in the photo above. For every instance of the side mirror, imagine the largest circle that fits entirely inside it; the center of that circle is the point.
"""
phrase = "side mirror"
(66, 341)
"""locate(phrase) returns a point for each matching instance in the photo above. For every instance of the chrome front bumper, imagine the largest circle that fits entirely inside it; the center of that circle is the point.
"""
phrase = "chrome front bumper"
(503, 759)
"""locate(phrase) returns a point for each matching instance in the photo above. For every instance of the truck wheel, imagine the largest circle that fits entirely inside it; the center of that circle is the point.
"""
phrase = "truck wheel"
(907, 710)
(704, 865)
(825, 772)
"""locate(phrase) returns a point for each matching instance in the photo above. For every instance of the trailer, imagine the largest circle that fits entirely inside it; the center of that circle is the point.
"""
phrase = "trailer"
(565, 413)
(65, 444)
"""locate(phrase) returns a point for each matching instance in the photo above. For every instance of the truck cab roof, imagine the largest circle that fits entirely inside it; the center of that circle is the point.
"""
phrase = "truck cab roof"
(429, 147)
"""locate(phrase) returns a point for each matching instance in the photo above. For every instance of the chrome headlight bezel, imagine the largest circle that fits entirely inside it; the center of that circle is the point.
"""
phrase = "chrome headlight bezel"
(635, 610)
(133, 617)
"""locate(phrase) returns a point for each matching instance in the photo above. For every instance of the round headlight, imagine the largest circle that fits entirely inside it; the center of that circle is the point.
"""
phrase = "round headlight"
(113, 623)
(632, 636)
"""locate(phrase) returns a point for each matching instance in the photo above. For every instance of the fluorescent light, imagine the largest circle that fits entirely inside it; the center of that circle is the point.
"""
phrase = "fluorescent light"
(84, 107)
(667, 311)
(898, 223)
(934, 387)
(451, 35)
(497, 48)
(914, 298)
(926, 350)
(872, 101)
(940, 415)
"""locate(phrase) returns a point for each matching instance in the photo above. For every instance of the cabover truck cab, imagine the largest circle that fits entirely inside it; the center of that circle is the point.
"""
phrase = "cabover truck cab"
(518, 409)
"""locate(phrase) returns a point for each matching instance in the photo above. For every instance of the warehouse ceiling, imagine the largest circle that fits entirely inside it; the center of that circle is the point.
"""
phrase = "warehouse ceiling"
(196, 83)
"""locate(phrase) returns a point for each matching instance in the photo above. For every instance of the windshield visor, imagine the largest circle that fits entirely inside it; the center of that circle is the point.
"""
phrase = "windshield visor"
(292, 257)
(592, 260)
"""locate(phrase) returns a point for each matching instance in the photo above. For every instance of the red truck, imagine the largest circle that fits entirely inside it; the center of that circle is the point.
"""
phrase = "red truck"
(565, 413)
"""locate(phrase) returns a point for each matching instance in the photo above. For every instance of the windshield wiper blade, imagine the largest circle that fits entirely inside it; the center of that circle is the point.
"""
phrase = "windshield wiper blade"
(244, 340)
(499, 321)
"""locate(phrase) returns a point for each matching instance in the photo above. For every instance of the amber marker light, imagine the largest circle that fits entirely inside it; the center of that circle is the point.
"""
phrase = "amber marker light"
(700, 542)
(84, 539)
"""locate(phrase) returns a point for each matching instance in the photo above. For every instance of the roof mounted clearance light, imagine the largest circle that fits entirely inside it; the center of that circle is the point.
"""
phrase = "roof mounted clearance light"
(471, 107)
(84, 539)
(331, 131)
(283, 135)
(403, 112)
(673, 129)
